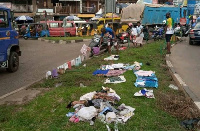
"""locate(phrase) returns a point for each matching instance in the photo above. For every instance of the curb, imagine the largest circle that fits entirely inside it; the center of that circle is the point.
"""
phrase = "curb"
(63, 41)
(19, 89)
(180, 82)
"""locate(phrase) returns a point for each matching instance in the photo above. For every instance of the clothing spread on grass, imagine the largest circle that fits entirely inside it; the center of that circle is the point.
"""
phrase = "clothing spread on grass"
(145, 92)
(121, 66)
(115, 80)
(146, 79)
(115, 73)
(100, 105)
(112, 57)
(100, 72)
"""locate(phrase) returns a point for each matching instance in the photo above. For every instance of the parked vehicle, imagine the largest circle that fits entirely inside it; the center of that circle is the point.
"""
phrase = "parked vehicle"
(35, 30)
(123, 37)
(152, 14)
(158, 33)
(57, 28)
(9, 43)
(194, 34)
(87, 29)
(78, 25)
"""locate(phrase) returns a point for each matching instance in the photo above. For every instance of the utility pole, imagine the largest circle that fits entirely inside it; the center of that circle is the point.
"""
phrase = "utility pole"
(112, 12)
(105, 11)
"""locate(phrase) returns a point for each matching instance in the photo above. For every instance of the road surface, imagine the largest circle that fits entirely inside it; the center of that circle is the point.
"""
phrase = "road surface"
(186, 61)
(37, 58)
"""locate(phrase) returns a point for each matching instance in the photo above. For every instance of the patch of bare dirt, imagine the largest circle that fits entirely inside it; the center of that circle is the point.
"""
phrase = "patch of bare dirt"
(178, 105)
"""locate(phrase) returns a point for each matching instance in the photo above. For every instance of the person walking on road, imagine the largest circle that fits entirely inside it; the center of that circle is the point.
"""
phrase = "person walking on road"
(169, 31)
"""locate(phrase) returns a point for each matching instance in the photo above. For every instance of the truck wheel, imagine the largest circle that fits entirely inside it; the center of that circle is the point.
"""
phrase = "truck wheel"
(13, 62)
(67, 34)
(26, 38)
(191, 42)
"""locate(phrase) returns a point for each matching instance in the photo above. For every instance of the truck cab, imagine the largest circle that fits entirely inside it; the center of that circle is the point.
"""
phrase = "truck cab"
(9, 43)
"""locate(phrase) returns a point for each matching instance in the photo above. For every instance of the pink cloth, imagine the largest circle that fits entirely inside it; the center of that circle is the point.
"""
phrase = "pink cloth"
(139, 40)
(115, 72)
(84, 49)
(144, 73)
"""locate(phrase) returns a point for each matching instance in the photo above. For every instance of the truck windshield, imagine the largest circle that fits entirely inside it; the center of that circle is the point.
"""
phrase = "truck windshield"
(3, 19)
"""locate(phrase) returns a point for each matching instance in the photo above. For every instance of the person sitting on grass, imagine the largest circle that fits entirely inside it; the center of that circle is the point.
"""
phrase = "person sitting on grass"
(108, 32)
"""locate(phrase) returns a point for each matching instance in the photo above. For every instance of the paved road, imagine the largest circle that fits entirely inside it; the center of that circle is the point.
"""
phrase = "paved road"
(37, 58)
(186, 61)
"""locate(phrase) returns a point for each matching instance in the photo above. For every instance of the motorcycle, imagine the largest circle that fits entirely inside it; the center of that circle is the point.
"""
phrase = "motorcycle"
(158, 33)
(123, 37)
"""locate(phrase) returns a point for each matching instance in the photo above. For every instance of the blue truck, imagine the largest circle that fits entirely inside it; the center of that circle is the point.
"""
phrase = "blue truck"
(151, 14)
(9, 43)
(156, 15)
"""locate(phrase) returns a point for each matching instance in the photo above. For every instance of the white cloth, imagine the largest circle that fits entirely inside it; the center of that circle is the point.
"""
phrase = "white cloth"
(115, 82)
(110, 117)
(111, 58)
(88, 96)
(114, 95)
(48, 75)
(125, 114)
(148, 94)
(170, 31)
(134, 31)
(139, 29)
(73, 62)
(139, 40)
(65, 65)
(87, 113)
(84, 49)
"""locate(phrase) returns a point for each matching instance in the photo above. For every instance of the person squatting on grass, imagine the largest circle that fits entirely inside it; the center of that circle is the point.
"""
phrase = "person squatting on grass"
(108, 32)
(169, 31)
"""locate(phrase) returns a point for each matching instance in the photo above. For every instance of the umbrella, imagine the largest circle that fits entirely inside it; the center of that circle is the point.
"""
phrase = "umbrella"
(23, 17)
(72, 18)
(96, 18)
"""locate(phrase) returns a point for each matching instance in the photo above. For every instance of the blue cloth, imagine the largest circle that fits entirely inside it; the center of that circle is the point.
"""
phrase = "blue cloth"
(149, 81)
(104, 72)
(193, 25)
(108, 30)
(198, 19)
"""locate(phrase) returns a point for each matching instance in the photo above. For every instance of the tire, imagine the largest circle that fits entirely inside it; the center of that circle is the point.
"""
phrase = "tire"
(191, 42)
(67, 34)
(25, 38)
(13, 62)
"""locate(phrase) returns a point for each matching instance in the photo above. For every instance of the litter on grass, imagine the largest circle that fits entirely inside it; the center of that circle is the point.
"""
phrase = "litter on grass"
(145, 92)
(112, 57)
(115, 80)
(100, 105)
(173, 87)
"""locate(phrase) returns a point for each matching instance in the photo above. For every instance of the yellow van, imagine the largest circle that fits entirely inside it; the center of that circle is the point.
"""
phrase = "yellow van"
(102, 21)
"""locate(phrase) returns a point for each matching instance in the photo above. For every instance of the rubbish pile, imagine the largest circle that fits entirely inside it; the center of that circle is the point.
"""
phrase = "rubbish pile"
(100, 105)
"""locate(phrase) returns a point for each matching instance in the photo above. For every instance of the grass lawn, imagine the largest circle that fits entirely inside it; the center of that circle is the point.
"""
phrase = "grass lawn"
(47, 112)
(68, 38)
